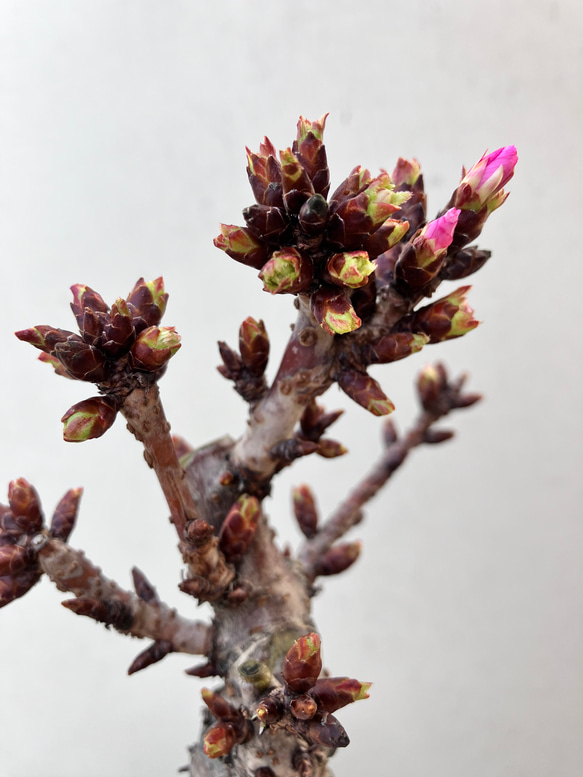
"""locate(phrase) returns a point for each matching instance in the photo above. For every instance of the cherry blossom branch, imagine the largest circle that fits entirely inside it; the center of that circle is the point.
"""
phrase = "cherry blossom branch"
(72, 571)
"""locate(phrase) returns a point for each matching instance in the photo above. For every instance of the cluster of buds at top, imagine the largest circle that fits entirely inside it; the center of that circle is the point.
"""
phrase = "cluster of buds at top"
(303, 243)
(331, 250)
(308, 701)
(116, 348)
(22, 536)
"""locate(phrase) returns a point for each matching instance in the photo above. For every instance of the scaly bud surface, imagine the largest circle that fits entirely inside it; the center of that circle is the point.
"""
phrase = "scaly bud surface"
(239, 527)
(289, 271)
(65, 514)
(254, 345)
(154, 347)
(447, 318)
(305, 510)
(425, 255)
(333, 310)
(241, 245)
(219, 740)
(365, 391)
(88, 419)
(302, 663)
(349, 269)
(25, 506)
(332, 693)
(392, 347)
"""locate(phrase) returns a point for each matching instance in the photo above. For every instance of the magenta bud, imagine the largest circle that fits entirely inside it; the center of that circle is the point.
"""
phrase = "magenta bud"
(482, 184)
(88, 419)
(154, 347)
(422, 258)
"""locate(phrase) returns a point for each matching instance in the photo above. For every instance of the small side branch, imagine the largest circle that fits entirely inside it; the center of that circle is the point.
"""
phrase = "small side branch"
(72, 571)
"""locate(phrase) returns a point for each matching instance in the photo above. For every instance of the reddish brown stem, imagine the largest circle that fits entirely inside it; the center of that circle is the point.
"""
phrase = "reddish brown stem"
(143, 411)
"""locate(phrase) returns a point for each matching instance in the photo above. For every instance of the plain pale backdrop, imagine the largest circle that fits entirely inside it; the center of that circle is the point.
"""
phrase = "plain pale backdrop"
(122, 133)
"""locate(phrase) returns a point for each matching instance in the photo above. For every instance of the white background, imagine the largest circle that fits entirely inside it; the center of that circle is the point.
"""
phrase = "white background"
(122, 133)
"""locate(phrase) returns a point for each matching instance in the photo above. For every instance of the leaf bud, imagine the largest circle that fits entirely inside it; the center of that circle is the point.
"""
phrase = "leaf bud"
(310, 150)
(464, 263)
(142, 586)
(239, 527)
(436, 436)
(25, 506)
(302, 663)
(365, 391)
(89, 419)
(219, 707)
(154, 347)
(406, 172)
(55, 364)
(151, 655)
(65, 514)
(264, 172)
(391, 232)
(337, 559)
(305, 510)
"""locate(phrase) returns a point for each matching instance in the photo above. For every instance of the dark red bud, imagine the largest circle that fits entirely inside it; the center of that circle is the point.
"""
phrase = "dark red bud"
(313, 215)
(112, 612)
(151, 655)
(89, 419)
(220, 707)
(239, 527)
(303, 707)
(254, 345)
(435, 436)
(142, 586)
(14, 559)
(269, 711)
(85, 297)
(202, 670)
(82, 361)
(267, 223)
(332, 693)
(25, 506)
(45, 338)
(464, 263)
(305, 510)
(467, 400)
(337, 559)
(302, 664)
(196, 586)
(330, 734)
(365, 391)
(292, 449)
(65, 514)
(13, 587)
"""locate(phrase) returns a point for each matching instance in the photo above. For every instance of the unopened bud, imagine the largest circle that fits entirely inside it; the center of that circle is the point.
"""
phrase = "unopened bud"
(446, 318)
(464, 263)
(14, 559)
(302, 663)
(305, 510)
(264, 172)
(151, 655)
(154, 347)
(482, 183)
(436, 436)
(112, 612)
(219, 740)
(254, 345)
(88, 419)
(330, 449)
(303, 707)
(392, 347)
(391, 232)
(25, 506)
(365, 391)
(349, 269)
(239, 527)
(240, 244)
(423, 258)
(82, 361)
(337, 559)
(45, 337)
(119, 332)
(297, 186)
(333, 310)
(147, 303)
(14, 586)
(269, 711)
(220, 707)
(142, 586)
(85, 297)
(289, 271)
(65, 514)
(406, 172)
(332, 693)
(310, 150)
(313, 215)
(330, 733)
(267, 223)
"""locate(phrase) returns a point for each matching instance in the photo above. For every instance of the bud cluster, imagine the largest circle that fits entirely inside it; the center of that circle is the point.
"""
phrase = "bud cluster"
(20, 522)
(116, 347)
(308, 701)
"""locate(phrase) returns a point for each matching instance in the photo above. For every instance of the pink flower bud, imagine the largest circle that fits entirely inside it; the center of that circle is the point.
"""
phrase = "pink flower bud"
(482, 184)
(438, 234)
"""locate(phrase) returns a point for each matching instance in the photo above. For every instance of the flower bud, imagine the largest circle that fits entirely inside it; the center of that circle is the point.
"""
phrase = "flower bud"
(85, 297)
(365, 391)
(239, 527)
(13, 587)
(464, 263)
(332, 693)
(330, 449)
(264, 172)
(431, 381)
(25, 506)
(302, 663)
(289, 271)
(119, 333)
(446, 318)
(82, 361)
(482, 184)
(382, 199)
(392, 347)
(88, 419)
(297, 186)
(386, 236)
(154, 347)
(406, 172)
(254, 345)
(45, 338)
(47, 358)
(303, 707)
(337, 559)
(14, 559)
(220, 707)
(333, 310)
(240, 244)
(330, 733)
(310, 150)
(313, 215)
(147, 303)
(219, 740)
(423, 258)
(65, 514)
(305, 510)
(269, 711)
(356, 183)
(151, 655)
(267, 223)
(349, 269)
